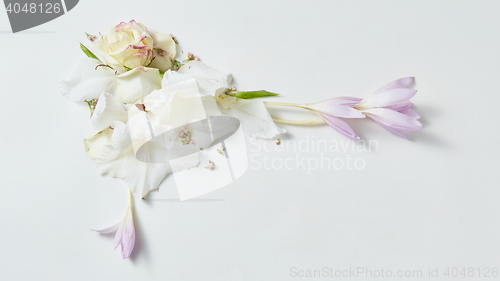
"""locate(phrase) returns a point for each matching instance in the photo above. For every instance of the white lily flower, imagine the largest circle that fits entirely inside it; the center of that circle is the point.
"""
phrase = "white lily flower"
(210, 81)
(179, 102)
(132, 86)
(87, 81)
(119, 161)
(253, 115)
(108, 110)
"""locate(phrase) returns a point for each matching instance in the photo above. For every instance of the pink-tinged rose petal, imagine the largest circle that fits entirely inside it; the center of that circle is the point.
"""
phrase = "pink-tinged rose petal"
(389, 97)
(339, 126)
(404, 82)
(393, 119)
(410, 113)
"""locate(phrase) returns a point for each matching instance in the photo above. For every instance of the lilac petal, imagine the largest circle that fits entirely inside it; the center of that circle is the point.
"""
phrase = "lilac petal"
(404, 82)
(339, 125)
(410, 113)
(393, 119)
(128, 240)
(389, 97)
(119, 236)
(400, 106)
(341, 111)
(349, 101)
(396, 132)
(108, 229)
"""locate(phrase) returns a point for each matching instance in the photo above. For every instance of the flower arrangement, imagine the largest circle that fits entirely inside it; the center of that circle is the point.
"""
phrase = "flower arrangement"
(136, 88)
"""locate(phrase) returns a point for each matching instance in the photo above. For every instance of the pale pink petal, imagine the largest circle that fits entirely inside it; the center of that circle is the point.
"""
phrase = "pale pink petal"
(108, 229)
(410, 113)
(128, 237)
(389, 97)
(338, 107)
(339, 125)
(337, 110)
(396, 132)
(350, 101)
(393, 119)
(119, 236)
(404, 82)
(400, 106)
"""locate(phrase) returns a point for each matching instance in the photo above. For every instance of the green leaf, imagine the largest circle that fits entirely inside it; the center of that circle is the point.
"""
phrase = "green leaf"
(87, 51)
(254, 94)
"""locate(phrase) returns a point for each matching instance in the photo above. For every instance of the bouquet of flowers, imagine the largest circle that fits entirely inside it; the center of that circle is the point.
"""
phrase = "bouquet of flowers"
(137, 88)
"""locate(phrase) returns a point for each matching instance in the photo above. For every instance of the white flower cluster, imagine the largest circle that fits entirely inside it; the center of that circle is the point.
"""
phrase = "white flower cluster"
(136, 89)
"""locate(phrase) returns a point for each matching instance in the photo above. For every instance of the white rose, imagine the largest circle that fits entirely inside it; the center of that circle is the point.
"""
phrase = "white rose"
(129, 45)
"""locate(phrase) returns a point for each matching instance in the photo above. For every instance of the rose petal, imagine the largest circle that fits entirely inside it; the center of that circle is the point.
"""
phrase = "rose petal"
(94, 144)
(101, 49)
(165, 50)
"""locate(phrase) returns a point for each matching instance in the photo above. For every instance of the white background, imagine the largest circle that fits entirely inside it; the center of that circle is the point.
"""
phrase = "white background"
(432, 201)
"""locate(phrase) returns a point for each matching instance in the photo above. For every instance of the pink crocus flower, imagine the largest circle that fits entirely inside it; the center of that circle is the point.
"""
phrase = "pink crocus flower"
(125, 233)
(332, 110)
(390, 105)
